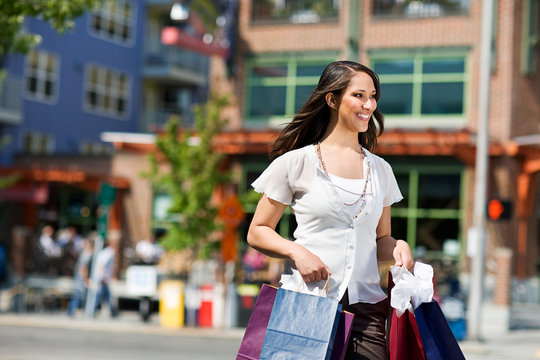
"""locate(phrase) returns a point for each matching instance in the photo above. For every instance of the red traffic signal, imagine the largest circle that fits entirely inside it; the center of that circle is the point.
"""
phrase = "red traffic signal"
(499, 210)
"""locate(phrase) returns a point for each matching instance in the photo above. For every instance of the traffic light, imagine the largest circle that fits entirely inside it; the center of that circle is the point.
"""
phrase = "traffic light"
(499, 210)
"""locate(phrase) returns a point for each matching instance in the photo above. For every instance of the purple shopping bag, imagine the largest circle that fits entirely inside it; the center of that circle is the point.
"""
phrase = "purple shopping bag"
(342, 335)
(252, 342)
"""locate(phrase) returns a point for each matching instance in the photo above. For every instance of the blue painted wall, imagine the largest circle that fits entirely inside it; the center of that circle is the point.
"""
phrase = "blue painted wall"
(66, 117)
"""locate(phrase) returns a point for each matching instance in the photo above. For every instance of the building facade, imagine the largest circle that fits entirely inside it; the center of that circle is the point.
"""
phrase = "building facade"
(110, 73)
(427, 56)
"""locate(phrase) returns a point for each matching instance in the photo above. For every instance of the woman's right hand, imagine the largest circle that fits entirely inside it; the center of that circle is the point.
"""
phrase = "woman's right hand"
(309, 265)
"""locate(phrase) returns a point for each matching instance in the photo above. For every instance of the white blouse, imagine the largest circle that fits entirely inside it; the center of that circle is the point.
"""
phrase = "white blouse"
(347, 245)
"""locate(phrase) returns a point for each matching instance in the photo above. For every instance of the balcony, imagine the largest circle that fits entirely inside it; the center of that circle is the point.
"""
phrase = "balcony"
(178, 66)
(419, 9)
(295, 12)
(155, 120)
(10, 101)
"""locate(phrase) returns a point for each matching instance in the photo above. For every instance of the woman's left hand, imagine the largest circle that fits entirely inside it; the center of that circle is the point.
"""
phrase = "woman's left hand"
(403, 255)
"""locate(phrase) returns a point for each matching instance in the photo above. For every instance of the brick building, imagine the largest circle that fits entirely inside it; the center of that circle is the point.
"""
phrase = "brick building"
(428, 58)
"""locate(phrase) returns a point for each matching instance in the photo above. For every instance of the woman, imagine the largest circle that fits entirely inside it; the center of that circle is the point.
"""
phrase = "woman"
(340, 194)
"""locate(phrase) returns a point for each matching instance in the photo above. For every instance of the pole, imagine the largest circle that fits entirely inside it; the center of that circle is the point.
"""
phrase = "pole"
(477, 235)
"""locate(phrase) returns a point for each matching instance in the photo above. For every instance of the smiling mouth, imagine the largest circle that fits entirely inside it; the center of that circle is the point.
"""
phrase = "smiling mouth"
(364, 117)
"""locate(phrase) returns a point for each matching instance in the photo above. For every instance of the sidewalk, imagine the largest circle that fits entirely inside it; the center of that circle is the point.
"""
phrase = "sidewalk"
(126, 322)
(519, 344)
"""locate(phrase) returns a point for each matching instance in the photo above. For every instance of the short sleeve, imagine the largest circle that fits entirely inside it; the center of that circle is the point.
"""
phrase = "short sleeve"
(392, 194)
(274, 181)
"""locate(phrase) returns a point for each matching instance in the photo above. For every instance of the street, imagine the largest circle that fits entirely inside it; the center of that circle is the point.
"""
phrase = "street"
(39, 340)
(55, 336)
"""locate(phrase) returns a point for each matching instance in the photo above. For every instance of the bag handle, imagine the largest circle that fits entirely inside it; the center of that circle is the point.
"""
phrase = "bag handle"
(324, 289)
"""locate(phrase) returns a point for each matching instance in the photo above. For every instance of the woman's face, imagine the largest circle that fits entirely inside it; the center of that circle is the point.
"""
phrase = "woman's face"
(357, 103)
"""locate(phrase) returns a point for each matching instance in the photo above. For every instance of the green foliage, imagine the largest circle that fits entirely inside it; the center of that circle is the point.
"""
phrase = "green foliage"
(191, 177)
(207, 12)
(59, 13)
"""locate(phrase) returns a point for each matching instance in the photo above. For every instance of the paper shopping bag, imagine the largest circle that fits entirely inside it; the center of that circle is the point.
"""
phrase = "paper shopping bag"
(404, 341)
(343, 335)
(252, 342)
(437, 337)
(301, 327)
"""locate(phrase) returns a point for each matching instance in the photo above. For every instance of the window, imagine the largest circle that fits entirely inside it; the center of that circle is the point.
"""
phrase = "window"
(429, 216)
(288, 83)
(294, 11)
(37, 143)
(416, 89)
(419, 9)
(41, 76)
(95, 148)
(531, 36)
(113, 21)
(107, 91)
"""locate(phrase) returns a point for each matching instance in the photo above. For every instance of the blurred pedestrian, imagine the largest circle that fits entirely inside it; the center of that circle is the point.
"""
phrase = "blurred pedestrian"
(81, 276)
(70, 243)
(148, 251)
(252, 262)
(48, 244)
(49, 252)
(105, 261)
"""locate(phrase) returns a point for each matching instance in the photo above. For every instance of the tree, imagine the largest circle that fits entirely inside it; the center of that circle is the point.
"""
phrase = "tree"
(190, 179)
(59, 13)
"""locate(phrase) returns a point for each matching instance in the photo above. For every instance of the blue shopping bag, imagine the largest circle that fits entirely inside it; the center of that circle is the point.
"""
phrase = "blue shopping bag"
(437, 337)
(301, 327)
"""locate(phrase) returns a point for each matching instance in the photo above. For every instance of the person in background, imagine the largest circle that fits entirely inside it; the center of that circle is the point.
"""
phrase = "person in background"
(340, 194)
(104, 267)
(148, 251)
(70, 242)
(48, 244)
(81, 276)
(49, 252)
(253, 261)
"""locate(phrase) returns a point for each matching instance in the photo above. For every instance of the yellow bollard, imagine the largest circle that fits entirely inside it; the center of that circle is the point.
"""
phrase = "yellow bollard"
(171, 303)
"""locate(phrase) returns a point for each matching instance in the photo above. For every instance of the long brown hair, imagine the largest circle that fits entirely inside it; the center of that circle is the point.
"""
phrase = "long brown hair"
(311, 121)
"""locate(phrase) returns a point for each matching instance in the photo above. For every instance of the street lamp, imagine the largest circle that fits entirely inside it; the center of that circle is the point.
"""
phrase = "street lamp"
(179, 11)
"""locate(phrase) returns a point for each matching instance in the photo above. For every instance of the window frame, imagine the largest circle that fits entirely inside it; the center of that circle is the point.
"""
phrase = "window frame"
(42, 76)
(105, 15)
(37, 143)
(530, 36)
(290, 81)
(412, 213)
(418, 79)
(101, 109)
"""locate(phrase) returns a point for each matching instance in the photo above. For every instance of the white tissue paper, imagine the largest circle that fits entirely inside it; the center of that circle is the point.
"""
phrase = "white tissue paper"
(411, 290)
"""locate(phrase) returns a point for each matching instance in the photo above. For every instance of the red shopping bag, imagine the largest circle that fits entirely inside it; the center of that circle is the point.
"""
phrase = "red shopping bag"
(404, 342)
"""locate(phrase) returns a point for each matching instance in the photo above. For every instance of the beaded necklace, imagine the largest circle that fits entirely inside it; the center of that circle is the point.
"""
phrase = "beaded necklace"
(362, 196)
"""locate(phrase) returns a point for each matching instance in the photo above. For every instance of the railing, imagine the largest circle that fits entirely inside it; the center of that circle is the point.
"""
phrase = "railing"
(172, 56)
(419, 8)
(154, 120)
(296, 12)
